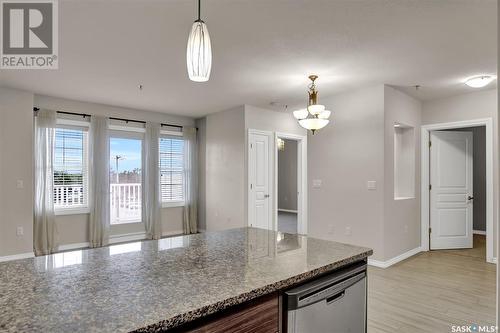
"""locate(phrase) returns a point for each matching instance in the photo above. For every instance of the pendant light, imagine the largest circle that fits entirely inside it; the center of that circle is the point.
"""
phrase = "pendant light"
(199, 51)
(314, 117)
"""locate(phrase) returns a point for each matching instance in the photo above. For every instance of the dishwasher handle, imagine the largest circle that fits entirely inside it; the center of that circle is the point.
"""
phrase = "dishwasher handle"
(330, 293)
(335, 298)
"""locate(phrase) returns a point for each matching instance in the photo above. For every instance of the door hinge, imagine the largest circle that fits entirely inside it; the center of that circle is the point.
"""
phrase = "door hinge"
(251, 145)
(430, 144)
(430, 230)
(251, 186)
(430, 187)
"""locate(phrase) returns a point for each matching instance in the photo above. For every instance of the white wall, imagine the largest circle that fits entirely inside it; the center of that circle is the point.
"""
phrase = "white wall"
(475, 105)
(16, 163)
(344, 156)
(401, 217)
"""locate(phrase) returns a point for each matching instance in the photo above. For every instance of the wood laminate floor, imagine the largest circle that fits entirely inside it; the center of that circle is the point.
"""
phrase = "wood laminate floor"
(433, 290)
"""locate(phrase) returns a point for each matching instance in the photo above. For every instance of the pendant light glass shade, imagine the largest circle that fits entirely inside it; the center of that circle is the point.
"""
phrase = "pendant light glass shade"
(313, 124)
(199, 53)
(301, 114)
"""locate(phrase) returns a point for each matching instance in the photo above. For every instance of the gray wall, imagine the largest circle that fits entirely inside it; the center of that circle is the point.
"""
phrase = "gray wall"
(68, 224)
(287, 176)
(479, 177)
(401, 217)
(201, 124)
(223, 197)
(359, 147)
(16, 163)
(344, 156)
(223, 164)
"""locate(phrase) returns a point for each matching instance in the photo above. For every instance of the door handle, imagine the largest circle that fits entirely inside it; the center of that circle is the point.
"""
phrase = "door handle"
(470, 198)
(266, 195)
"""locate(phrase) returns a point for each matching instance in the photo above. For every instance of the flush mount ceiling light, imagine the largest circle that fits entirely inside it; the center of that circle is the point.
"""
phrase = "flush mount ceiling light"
(314, 117)
(480, 81)
(199, 51)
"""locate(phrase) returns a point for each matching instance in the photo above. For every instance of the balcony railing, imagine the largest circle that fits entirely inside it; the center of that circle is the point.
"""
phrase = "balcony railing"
(126, 203)
(68, 196)
(125, 200)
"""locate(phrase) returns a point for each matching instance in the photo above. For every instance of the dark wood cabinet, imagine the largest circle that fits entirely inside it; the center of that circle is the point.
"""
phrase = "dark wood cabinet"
(257, 316)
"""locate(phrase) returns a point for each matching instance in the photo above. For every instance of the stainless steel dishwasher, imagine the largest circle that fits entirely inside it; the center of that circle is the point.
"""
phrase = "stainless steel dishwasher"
(335, 303)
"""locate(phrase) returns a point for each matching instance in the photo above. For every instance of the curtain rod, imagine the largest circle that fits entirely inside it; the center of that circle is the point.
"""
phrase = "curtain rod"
(85, 115)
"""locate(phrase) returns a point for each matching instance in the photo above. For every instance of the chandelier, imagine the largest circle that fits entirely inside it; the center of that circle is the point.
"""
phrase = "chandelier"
(314, 117)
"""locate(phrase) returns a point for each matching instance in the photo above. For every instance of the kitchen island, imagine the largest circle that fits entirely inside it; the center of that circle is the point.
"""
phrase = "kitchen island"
(157, 285)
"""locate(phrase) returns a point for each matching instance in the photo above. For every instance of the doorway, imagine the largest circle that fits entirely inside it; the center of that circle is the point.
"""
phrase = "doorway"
(263, 177)
(290, 209)
(287, 193)
(457, 187)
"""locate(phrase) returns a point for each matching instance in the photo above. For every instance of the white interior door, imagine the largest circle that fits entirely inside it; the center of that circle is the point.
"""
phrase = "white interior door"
(451, 190)
(260, 204)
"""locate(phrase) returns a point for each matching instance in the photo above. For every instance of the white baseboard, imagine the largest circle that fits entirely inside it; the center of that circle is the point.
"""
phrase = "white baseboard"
(479, 232)
(395, 260)
(287, 210)
(17, 256)
(136, 236)
(74, 246)
(492, 260)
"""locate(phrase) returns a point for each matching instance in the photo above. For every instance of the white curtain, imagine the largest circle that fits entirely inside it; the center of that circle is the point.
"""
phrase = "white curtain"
(190, 220)
(44, 224)
(151, 197)
(99, 181)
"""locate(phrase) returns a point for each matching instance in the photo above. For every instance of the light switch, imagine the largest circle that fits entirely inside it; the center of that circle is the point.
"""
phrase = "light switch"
(317, 183)
(20, 231)
(20, 183)
(371, 185)
(348, 231)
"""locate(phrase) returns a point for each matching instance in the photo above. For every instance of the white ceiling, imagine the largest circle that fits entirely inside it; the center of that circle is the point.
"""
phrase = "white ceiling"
(263, 50)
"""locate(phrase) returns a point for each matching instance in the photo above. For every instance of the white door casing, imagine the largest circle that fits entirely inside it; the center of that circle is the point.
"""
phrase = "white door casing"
(260, 176)
(451, 206)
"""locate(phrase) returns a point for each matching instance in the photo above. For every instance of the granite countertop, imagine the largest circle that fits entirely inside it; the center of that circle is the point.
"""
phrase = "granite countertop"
(151, 285)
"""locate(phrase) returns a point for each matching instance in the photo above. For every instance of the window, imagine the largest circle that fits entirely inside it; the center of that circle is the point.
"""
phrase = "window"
(70, 168)
(172, 171)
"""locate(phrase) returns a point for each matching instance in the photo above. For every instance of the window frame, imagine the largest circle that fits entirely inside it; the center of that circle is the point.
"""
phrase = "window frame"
(62, 123)
(165, 134)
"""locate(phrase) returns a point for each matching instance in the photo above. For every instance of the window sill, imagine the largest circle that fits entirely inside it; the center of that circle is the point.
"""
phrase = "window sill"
(170, 204)
(403, 198)
(71, 211)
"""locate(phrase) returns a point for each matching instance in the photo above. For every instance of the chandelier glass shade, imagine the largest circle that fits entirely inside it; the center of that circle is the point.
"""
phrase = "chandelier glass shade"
(313, 124)
(199, 51)
(314, 117)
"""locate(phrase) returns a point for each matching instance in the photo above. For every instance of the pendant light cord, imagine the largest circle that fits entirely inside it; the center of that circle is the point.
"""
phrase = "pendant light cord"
(199, 10)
